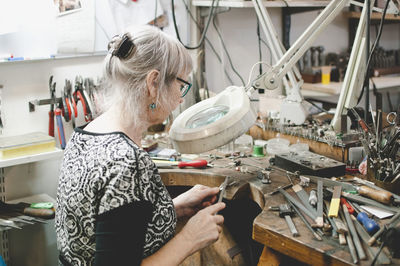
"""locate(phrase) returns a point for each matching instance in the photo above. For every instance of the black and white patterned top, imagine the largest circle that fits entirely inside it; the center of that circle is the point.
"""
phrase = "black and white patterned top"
(101, 172)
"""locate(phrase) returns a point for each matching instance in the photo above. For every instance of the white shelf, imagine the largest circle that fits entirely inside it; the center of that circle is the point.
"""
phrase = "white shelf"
(55, 57)
(249, 4)
(31, 158)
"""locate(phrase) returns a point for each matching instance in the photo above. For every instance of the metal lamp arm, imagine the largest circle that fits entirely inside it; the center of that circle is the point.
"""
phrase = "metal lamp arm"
(270, 80)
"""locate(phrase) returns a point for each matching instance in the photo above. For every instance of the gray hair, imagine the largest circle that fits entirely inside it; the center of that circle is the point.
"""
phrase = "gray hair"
(124, 79)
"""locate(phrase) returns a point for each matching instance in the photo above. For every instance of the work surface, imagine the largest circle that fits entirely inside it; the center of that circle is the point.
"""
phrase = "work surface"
(268, 228)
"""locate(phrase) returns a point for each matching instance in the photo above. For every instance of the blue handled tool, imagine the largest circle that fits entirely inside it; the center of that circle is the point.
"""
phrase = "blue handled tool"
(60, 127)
(370, 225)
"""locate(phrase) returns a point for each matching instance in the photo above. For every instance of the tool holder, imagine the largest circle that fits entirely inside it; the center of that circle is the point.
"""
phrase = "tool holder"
(392, 187)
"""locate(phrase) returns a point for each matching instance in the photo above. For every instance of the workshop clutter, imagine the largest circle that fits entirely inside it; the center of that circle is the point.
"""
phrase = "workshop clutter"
(65, 108)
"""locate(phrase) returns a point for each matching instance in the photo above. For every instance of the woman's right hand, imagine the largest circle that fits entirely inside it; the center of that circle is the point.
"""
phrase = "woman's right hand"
(203, 228)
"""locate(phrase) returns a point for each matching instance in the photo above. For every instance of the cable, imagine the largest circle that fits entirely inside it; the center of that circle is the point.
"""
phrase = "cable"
(208, 41)
(251, 72)
(366, 76)
(155, 13)
(203, 35)
(315, 105)
(226, 51)
(270, 52)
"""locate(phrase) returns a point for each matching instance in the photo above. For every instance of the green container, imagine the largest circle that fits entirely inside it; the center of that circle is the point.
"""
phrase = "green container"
(258, 151)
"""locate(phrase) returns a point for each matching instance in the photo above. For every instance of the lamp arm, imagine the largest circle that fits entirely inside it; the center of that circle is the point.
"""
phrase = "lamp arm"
(271, 79)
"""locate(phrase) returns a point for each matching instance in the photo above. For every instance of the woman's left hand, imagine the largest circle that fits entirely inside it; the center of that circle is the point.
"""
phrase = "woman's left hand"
(195, 199)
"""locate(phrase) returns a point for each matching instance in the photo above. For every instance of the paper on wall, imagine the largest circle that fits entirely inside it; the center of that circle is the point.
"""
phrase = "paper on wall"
(76, 30)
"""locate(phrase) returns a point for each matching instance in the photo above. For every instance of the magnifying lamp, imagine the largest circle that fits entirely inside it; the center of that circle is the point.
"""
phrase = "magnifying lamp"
(213, 122)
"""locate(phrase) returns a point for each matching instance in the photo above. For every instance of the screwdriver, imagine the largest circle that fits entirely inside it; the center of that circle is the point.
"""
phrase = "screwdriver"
(384, 197)
(362, 123)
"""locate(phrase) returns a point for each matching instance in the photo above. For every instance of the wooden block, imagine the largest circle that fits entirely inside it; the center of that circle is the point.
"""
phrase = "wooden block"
(335, 202)
(342, 239)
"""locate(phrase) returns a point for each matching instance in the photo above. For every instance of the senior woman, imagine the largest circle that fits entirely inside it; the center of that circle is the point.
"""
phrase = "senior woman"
(112, 207)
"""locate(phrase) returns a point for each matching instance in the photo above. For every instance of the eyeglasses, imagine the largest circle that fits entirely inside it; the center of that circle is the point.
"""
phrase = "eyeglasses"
(184, 88)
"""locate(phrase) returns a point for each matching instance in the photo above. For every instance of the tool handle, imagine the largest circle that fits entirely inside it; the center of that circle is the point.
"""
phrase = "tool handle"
(51, 123)
(60, 127)
(40, 213)
(195, 164)
(370, 225)
(379, 195)
(343, 201)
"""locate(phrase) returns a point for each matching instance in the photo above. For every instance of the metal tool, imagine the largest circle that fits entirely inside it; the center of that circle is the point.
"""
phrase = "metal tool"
(354, 235)
(313, 198)
(285, 211)
(52, 88)
(222, 188)
(394, 220)
(304, 199)
(297, 204)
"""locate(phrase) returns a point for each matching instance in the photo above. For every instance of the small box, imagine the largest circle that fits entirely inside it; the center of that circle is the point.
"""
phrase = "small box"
(27, 144)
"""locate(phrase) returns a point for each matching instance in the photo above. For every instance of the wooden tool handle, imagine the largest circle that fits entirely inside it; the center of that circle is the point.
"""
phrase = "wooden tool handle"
(40, 213)
(378, 195)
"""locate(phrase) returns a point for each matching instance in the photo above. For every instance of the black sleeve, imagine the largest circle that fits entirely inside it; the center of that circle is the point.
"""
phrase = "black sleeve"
(120, 234)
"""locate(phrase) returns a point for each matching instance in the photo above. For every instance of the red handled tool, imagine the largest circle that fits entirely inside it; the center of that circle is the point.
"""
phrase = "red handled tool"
(52, 87)
(343, 201)
(195, 164)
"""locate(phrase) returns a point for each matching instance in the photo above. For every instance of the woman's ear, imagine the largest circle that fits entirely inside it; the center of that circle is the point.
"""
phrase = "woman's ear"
(153, 82)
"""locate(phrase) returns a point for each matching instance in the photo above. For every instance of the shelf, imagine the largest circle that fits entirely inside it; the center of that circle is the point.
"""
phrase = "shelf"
(374, 16)
(31, 158)
(53, 57)
(249, 4)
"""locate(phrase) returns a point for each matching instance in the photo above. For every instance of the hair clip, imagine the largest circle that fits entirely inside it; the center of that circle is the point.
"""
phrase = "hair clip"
(125, 47)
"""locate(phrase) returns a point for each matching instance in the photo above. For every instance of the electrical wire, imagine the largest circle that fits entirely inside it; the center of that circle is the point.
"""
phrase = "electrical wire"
(208, 42)
(155, 13)
(259, 46)
(251, 72)
(270, 52)
(226, 51)
(203, 35)
(366, 76)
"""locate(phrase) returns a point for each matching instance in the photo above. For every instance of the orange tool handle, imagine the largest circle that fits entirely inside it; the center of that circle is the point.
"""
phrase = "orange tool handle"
(195, 164)
(379, 195)
(343, 201)
(51, 123)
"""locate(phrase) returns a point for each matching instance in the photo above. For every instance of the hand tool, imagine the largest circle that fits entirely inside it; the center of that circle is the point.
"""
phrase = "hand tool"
(335, 202)
(361, 122)
(316, 236)
(26, 209)
(367, 201)
(320, 200)
(304, 199)
(350, 209)
(79, 96)
(372, 251)
(352, 249)
(354, 236)
(30, 218)
(61, 134)
(372, 185)
(370, 225)
(222, 188)
(285, 211)
(4, 222)
(313, 198)
(52, 87)
(297, 204)
(378, 195)
(195, 164)
(393, 221)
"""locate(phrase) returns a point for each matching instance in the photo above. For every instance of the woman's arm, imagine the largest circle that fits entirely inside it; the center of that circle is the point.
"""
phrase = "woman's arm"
(195, 199)
(200, 231)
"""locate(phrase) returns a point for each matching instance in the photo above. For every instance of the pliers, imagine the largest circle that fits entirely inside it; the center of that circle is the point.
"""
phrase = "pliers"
(79, 95)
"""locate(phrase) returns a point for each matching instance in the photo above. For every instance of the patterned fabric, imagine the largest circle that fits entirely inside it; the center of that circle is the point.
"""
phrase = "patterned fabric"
(101, 172)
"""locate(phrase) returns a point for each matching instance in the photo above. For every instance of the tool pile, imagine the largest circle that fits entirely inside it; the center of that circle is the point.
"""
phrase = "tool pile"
(381, 147)
(346, 212)
(14, 216)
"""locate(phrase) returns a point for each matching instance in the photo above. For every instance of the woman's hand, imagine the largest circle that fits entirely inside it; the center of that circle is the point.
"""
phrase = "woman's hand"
(195, 199)
(203, 228)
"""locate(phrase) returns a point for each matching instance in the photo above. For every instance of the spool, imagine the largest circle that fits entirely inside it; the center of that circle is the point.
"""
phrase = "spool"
(258, 151)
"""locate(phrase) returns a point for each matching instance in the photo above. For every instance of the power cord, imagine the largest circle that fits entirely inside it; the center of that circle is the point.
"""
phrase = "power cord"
(203, 35)
(208, 42)
(366, 76)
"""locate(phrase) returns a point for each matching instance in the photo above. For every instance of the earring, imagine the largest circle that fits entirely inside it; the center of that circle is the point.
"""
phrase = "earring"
(152, 106)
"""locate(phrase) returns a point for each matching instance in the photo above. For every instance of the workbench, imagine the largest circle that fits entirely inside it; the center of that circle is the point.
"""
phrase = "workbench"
(268, 228)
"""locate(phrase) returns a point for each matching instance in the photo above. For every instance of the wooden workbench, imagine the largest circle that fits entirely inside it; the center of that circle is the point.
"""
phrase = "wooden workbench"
(268, 228)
